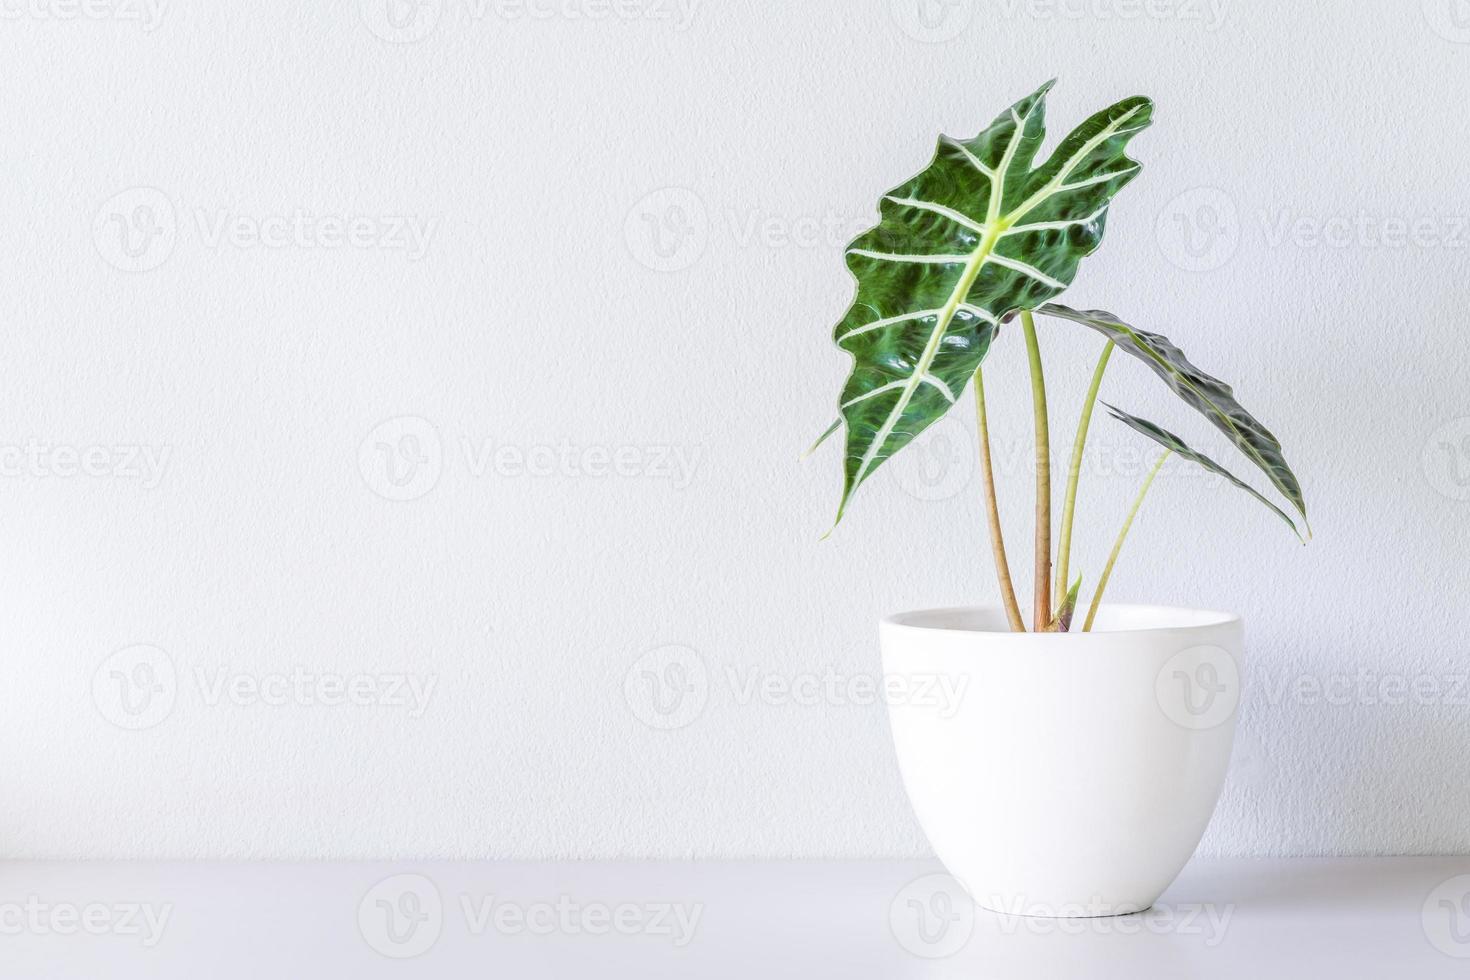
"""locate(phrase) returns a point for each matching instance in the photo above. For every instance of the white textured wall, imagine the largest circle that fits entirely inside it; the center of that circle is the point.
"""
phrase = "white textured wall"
(461, 267)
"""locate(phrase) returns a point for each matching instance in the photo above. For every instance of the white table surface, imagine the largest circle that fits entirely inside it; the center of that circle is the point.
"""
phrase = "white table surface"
(1384, 918)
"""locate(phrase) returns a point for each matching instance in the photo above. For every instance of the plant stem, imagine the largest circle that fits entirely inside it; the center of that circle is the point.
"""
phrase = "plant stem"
(1041, 602)
(997, 539)
(1069, 502)
(1118, 545)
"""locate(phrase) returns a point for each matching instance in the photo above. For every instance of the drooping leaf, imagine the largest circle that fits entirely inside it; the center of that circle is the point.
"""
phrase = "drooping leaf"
(981, 233)
(1169, 440)
(1206, 394)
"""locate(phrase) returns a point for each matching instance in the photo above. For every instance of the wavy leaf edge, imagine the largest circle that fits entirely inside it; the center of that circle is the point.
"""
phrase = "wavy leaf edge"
(934, 279)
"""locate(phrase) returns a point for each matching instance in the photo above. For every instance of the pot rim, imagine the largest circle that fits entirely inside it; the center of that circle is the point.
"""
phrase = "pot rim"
(1174, 619)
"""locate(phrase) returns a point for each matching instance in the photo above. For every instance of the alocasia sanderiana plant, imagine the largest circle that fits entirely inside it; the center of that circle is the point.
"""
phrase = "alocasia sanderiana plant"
(984, 237)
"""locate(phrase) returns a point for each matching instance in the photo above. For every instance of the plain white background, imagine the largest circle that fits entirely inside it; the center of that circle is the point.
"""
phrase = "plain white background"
(401, 410)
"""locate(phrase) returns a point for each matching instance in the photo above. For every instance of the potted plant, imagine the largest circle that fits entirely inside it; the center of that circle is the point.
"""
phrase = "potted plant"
(1084, 763)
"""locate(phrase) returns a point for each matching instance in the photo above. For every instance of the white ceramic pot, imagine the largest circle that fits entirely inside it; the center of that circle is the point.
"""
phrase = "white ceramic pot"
(1064, 774)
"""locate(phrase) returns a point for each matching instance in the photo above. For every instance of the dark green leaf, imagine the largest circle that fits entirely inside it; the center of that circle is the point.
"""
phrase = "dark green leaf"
(1172, 442)
(981, 233)
(1206, 394)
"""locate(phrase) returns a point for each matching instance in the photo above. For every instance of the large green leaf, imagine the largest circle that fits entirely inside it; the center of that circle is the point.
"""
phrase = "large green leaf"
(1169, 440)
(1208, 395)
(979, 234)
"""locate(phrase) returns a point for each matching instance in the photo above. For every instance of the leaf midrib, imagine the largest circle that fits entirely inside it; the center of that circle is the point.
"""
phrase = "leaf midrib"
(996, 225)
(967, 279)
(931, 349)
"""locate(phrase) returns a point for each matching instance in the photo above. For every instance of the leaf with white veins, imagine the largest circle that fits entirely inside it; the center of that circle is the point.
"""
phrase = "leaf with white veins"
(979, 234)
